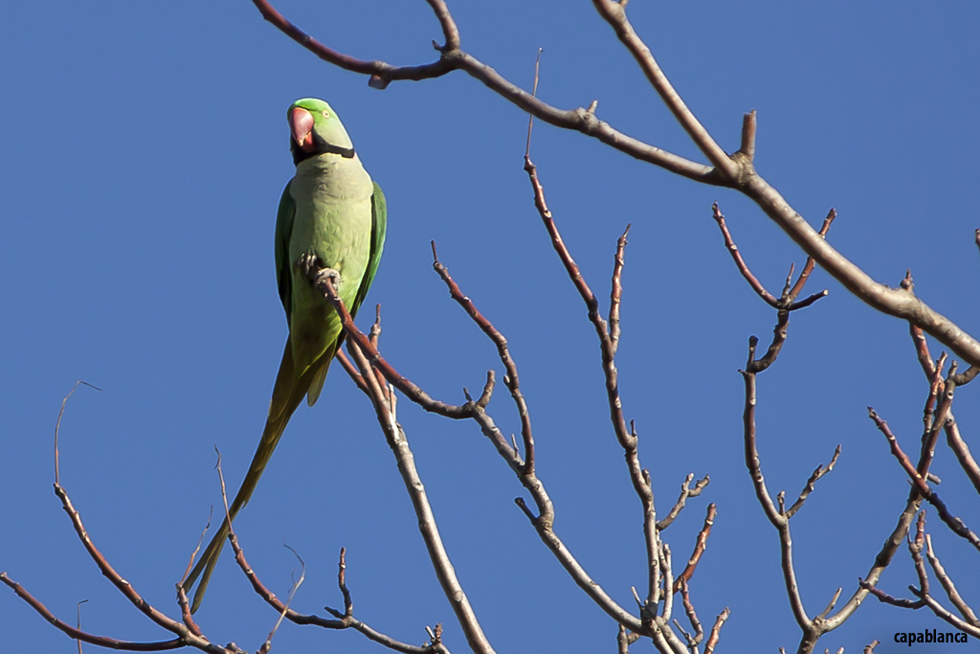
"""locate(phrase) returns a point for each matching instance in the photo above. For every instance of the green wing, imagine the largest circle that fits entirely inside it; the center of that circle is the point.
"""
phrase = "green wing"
(284, 229)
(379, 226)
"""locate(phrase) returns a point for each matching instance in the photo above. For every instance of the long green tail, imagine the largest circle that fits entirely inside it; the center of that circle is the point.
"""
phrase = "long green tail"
(286, 396)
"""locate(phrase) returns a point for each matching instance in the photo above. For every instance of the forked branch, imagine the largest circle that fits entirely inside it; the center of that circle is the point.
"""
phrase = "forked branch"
(736, 171)
(368, 360)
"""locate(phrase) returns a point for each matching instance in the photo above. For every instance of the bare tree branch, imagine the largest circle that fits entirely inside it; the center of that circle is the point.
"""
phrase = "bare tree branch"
(398, 442)
(743, 268)
(968, 622)
(948, 585)
(715, 636)
(616, 294)
(686, 492)
(736, 171)
(366, 355)
(778, 519)
(627, 439)
(885, 598)
(956, 525)
(57, 427)
(962, 452)
(83, 636)
(544, 521)
(615, 14)
(922, 350)
(378, 379)
(511, 379)
(702, 542)
(787, 300)
(451, 58)
(811, 483)
(187, 636)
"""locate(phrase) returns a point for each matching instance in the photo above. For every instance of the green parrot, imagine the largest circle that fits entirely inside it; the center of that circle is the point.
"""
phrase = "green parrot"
(332, 221)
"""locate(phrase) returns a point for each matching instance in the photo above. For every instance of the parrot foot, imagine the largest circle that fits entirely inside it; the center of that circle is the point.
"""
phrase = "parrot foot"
(313, 268)
(324, 274)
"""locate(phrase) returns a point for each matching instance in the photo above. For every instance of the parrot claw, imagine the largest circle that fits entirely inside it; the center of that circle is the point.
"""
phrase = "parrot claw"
(327, 273)
(313, 268)
(309, 264)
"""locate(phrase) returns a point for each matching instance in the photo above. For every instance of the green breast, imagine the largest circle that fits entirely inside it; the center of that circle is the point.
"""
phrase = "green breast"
(332, 221)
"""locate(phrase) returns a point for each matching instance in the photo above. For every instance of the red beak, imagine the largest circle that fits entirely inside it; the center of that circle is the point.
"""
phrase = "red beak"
(301, 125)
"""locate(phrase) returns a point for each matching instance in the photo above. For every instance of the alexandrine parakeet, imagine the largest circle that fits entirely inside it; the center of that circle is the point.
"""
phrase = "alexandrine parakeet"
(331, 216)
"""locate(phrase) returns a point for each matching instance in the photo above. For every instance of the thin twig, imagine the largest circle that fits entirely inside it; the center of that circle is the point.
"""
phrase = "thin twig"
(534, 93)
(627, 438)
(686, 492)
(885, 598)
(78, 622)
(787, 299)
(811, 483)
(122, 585)
(715, 636)
(920, 484)
(692, 615)
(57, 427)
(267, 645)
(932, 371)
(945, 614)
(78, 634)
(830, 605)
(743, 268)
(778, 519)
(616, 294)
(702, 542)
(185, 635)
(922, 350)
(962, 452)
(342, 583)
(811, 262)
(947, 583)
(511, 379)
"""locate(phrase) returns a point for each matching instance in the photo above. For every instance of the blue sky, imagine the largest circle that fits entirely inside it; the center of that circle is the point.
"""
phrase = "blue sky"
(144, 151)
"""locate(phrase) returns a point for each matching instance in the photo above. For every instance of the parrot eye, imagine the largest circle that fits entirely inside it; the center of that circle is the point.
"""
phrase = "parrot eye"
(326, 114)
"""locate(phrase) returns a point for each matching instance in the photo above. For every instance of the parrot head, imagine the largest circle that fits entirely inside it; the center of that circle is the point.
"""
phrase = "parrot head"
(315, 129)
